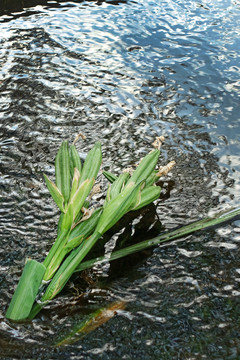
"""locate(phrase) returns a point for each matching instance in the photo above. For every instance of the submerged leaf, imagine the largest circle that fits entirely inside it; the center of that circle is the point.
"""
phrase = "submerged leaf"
(98, 318)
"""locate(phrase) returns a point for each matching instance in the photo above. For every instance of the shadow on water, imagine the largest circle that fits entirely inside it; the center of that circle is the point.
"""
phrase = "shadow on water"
(134, 71)
(11, 7)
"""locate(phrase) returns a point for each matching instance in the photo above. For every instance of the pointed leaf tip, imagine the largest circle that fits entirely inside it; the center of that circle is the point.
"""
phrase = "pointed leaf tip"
(55, 192)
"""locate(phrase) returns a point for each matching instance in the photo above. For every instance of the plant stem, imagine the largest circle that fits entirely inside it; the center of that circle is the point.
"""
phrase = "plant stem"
(72, 262)
(55, 262)
(65, 272)
(54, 248)
(218, 218)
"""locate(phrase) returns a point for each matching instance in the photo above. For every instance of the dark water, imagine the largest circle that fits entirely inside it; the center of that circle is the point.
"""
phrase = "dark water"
(123, 73)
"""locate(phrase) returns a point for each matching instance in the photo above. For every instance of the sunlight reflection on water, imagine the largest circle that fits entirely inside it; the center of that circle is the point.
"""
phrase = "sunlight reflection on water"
(123, 74)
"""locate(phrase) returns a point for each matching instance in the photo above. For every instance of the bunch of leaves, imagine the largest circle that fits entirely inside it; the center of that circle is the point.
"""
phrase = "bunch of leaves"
(78, 233)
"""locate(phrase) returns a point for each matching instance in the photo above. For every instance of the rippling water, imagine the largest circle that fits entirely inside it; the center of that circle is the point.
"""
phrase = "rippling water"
(123, 73)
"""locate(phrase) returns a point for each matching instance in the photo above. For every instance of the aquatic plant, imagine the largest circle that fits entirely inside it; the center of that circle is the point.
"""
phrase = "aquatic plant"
(92, 322)
(79, 227)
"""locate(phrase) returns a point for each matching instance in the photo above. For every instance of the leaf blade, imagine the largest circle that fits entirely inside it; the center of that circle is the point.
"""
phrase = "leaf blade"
(55, 192)
(26, 291)
(62, 171)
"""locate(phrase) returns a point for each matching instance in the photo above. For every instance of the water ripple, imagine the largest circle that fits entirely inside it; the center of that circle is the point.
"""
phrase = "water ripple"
(123, 73)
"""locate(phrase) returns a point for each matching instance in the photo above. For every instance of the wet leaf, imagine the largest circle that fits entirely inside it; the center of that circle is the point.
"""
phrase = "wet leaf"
(98, 318)
(26, 291)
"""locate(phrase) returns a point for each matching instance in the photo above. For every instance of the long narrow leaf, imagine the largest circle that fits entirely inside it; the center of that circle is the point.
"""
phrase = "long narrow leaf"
(75, 182)
(68, 267)
(55, 192)
(217, 219)
(118, 185)
(80, 195)
(148, 195)
(26, 291)
(62, 171)
(81, 232)
(64, 273)
(92, 163)
(61, 239)
(146, 167)
(118, 207)
(75, 161)
(93, 321)
(111, 177)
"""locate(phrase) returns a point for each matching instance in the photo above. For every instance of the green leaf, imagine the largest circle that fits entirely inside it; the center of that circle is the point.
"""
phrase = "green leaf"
(75, 161)
(56, 194)
(75, 238)
(118, 184)
(146, 167)
(59, 242)
(80, 195)
(68, 267)
(83, 230)
(26, 291)
(215, 220)
(92, 163)
(75, 182)
(62, 170)
(68, 218)
(109, 176)
(152, 178)
(148, 195)
(118, 207)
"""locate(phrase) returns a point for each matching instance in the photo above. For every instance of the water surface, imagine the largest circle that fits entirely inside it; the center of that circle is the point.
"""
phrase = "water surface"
(124, 73)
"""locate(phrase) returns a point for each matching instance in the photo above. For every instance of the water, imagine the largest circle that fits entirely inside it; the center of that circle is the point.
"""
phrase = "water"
(123, 73)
